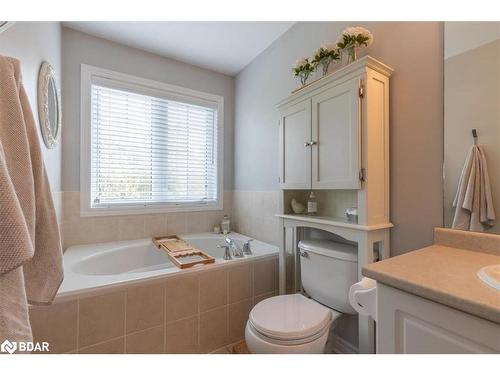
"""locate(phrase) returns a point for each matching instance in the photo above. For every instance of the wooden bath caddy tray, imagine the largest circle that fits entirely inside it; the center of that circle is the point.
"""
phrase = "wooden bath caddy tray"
(181, 253)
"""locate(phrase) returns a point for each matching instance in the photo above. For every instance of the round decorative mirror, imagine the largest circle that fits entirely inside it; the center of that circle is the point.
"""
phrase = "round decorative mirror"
(49, 108)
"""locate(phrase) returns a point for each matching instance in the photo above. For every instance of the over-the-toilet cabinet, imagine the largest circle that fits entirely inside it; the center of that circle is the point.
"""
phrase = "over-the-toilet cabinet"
(329, 129)
(320, 140)
(334, 138)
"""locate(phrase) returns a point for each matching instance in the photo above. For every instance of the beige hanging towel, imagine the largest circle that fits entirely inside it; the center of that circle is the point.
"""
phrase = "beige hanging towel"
(473, 202)
(30, 246)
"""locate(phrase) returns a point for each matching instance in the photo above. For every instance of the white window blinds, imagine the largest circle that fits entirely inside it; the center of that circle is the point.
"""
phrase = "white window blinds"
(148, 150)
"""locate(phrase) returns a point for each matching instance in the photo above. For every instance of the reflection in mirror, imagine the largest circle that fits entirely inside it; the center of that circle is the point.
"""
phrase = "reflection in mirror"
(472, 107)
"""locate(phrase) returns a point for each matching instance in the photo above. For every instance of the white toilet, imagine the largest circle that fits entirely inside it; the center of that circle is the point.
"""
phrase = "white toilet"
(294, 323)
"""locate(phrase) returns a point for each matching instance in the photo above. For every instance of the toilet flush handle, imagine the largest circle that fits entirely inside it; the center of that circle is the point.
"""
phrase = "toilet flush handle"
(303, 254)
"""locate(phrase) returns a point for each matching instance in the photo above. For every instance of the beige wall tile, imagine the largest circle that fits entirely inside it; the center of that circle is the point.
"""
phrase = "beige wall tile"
(276, 275)
(131, 227)
(181, 297)
(262, 297)
(145, 307)
(76, 232)
(214, 218)
(155, 225)
(71, 205)
(104, 229)
(197, 222)
(56, 324)
(101, 318)
(263, 272)
(176, 223)
(182, 336)
(238, 317)
(267, 230)
(265, 203)
(213, 289)
(240, 282)
(114, 346)
(149, 341)
(213, 329)
(228, 202)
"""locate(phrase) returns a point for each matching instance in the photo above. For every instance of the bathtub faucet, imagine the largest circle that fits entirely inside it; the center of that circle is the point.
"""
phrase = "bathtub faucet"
(238, 253)
(227, 253)
(246, 247)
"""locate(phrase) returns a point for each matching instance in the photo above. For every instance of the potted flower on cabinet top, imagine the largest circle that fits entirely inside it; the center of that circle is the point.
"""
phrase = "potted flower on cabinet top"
(353, 38)
(303, 69)
(324, 55)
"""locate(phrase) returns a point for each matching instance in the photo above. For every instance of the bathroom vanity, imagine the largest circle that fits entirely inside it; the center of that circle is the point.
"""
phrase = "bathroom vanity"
(334, 140)
(432, 300)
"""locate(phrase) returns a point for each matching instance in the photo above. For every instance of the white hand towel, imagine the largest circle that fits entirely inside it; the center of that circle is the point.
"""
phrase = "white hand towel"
(473, 202)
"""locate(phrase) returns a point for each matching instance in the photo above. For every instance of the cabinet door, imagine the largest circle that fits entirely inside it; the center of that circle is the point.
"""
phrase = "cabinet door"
(409, 324)
(335, 129)
(295, 132)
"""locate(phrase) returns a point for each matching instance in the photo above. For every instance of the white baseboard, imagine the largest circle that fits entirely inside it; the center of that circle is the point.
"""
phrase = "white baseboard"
(341, 346)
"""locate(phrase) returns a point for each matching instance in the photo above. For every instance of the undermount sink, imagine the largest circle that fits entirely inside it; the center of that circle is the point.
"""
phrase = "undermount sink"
(490, 275)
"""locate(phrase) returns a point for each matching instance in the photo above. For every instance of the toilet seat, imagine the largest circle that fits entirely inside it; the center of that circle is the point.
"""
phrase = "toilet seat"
(290, 319)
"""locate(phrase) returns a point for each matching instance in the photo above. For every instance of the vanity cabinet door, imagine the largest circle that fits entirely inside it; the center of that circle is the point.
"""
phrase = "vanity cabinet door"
(295, 135)
(336, 137)
(409, 324)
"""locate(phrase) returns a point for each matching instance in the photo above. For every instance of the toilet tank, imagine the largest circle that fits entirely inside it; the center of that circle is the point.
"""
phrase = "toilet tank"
(328, 269)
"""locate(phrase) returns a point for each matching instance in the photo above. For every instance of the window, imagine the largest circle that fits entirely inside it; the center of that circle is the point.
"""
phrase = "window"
(147, 146)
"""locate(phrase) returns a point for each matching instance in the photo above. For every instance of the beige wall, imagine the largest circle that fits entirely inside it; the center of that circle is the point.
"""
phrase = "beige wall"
(415, 51)
(33, 43)
(472, 100)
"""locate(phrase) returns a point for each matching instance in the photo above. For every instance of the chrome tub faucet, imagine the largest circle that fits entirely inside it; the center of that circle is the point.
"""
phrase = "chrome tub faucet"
(237, 252)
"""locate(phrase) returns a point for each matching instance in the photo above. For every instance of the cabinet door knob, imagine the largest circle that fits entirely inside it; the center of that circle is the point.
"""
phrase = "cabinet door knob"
(312, 143)
(307, 144)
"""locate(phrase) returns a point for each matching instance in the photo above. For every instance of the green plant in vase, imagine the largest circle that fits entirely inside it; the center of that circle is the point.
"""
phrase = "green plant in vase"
(303, 69)
(325, 55)
(353, 38)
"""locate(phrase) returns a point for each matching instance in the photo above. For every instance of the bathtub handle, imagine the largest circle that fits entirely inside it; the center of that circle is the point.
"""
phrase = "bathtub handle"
(246, 247)
(227, 253)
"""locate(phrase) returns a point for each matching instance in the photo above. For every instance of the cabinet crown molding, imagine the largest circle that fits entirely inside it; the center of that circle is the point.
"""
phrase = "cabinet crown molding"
(363, 63)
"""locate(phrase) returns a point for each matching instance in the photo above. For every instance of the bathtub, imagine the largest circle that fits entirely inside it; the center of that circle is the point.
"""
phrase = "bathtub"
(92, 269)
(127, 297)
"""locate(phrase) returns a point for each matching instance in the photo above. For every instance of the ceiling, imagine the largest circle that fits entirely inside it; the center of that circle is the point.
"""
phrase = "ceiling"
(225, 47)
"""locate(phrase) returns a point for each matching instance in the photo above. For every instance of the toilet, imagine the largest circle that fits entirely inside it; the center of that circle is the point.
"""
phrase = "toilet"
(300, 323)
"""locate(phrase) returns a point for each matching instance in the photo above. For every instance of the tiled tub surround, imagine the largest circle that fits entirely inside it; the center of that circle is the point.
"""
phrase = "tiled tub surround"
(191, 311)
(88, 230)
(254, 214)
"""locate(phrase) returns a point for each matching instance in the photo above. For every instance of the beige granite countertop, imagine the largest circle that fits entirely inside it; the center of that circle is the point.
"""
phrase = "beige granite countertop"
(443, 274)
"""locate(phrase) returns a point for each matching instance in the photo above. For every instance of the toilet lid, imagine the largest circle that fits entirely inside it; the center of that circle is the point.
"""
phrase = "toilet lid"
(289, 317)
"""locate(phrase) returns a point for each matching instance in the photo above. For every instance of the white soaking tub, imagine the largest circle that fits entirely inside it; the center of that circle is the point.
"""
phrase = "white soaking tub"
(91, 269)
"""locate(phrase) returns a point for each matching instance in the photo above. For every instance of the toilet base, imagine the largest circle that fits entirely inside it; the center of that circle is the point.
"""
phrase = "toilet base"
(258, 345)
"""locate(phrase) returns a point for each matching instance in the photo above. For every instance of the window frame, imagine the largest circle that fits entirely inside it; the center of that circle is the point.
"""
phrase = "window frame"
(91, 74)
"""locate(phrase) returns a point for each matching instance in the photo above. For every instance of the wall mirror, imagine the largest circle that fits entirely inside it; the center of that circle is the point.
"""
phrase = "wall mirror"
(49, 107)
(472, 117)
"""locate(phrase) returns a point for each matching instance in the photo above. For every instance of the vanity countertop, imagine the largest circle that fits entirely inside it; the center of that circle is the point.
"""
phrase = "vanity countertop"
(443, 274)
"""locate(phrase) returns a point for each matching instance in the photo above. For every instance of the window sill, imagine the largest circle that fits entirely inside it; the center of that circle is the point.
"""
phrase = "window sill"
(140, 210)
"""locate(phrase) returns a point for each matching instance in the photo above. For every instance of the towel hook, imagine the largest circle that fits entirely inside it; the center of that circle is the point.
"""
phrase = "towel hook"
(474, 134)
